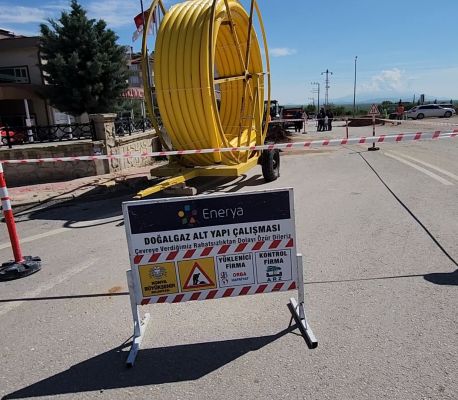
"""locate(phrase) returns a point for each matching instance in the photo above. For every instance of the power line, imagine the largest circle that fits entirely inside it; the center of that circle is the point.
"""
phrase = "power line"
(326, 98)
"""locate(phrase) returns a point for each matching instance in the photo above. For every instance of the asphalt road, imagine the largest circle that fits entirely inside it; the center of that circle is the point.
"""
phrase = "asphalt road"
(378, 233)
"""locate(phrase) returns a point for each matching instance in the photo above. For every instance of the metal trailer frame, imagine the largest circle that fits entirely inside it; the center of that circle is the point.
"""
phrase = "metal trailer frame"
(297, 309)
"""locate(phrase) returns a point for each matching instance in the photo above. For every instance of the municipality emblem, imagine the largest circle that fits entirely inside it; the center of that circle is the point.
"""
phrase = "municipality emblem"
(158, 272)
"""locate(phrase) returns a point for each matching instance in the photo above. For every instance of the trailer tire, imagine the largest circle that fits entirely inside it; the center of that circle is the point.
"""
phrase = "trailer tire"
(270, 163)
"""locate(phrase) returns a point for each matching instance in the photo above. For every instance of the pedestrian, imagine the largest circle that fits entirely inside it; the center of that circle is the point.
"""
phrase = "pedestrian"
(400, 112)
(297, 124)
(305, 118)
(321, 116)
(325, 121)
(330, 116)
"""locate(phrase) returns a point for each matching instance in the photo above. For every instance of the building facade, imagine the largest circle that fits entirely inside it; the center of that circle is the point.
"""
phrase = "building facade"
(22, 86)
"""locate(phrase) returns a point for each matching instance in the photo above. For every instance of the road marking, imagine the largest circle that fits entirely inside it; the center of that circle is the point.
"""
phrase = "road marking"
(36, 237)
(442, 171)
(48, 285)
(421, 169)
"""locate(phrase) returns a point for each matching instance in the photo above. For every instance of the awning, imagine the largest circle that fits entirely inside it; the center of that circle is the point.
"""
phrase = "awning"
(133, 93)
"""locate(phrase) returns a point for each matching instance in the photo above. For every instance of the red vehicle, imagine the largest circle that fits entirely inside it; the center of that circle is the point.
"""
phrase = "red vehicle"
(15, 137)
(292, 113)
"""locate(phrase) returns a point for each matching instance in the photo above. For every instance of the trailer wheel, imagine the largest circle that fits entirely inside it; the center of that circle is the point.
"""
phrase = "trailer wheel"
(270, 162)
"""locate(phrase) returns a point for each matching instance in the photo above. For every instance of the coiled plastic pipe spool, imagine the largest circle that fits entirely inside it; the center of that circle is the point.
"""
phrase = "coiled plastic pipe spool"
(205, 46)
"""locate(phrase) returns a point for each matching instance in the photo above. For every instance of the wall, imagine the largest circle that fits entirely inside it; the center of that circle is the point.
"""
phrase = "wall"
(28, 174)
(106, 143)
(136, 143)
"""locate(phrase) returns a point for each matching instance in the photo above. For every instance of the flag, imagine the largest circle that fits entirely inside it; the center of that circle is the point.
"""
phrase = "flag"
(139, 22)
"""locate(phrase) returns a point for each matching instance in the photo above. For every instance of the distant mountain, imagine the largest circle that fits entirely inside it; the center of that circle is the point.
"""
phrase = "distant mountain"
(393, 98)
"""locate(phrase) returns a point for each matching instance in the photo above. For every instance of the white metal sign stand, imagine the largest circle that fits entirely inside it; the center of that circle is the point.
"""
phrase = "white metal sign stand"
(298, 309)
(198, 249)
(140, 324)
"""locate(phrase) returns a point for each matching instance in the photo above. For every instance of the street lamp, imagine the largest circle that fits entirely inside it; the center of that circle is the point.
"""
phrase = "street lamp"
(317, 90)
(354, 92)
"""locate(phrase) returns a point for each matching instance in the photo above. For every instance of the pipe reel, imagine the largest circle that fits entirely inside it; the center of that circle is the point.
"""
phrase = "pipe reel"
(211, 77)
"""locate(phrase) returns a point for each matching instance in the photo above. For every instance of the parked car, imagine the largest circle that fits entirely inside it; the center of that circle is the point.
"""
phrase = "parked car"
(15, 137)
(429, 110)
(446, 105)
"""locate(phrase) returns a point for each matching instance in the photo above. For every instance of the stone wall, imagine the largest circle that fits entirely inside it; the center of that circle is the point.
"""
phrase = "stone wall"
(29, 174)
(137, 143)
(106, 143)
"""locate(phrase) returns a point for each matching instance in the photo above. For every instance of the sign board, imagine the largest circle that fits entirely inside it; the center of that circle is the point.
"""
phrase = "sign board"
(206, 247)
(374, 110)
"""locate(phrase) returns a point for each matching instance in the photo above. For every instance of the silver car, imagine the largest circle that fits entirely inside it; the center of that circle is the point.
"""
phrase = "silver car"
(429, 110)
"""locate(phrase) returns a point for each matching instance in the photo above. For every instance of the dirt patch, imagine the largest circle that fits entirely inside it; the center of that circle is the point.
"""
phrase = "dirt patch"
(358, 122)
(115, 289)
(277, 134)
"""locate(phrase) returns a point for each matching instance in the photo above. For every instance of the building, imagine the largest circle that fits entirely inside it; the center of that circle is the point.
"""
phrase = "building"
(135, 91)
(22, 85)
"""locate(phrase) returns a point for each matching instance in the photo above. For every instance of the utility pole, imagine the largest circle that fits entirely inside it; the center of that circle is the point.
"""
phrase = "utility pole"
(317, 90)
(354, 91)
(326, 98)
(148, 67)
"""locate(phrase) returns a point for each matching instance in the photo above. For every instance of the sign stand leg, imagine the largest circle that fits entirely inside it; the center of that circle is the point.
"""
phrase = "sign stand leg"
(297, 309)
(139, 324)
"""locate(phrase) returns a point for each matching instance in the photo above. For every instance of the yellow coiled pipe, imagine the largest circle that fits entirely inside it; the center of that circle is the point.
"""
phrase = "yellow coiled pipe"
(187, 62)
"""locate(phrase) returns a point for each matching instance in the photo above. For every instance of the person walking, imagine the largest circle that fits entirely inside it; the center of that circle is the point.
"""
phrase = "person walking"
(330, 116)
(321, 117)
(298, 124)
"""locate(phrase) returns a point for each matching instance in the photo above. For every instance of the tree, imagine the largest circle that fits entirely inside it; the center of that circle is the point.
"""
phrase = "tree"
(85, 68)
(310, 108)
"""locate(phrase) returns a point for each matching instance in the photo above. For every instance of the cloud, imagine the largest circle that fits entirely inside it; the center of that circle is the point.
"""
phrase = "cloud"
(21, 15)
(282, 52)
(387, 80)
(115, 13)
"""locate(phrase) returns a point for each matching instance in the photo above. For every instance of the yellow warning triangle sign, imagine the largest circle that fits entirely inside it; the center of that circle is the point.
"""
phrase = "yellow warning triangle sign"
(198, 279)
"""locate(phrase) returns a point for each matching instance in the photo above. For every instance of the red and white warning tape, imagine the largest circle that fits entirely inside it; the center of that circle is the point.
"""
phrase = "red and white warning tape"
(213, 251)
(416, 122)
(223, 292)
(276, 121)
(401, 137)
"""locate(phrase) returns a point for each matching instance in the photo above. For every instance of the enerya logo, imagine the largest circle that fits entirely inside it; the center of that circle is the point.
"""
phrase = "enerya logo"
(188, 216)
(208, 213)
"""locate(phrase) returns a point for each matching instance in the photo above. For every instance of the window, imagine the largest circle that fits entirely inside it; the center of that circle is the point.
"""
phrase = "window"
(135, 80)
(14, 75)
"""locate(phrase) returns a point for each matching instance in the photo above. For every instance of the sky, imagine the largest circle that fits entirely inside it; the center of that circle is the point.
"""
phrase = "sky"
(404, 48)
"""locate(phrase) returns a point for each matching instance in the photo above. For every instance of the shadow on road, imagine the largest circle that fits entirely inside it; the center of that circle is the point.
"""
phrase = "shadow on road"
(153, 367)
(438, 278)
(450, 278)
(107, 208)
